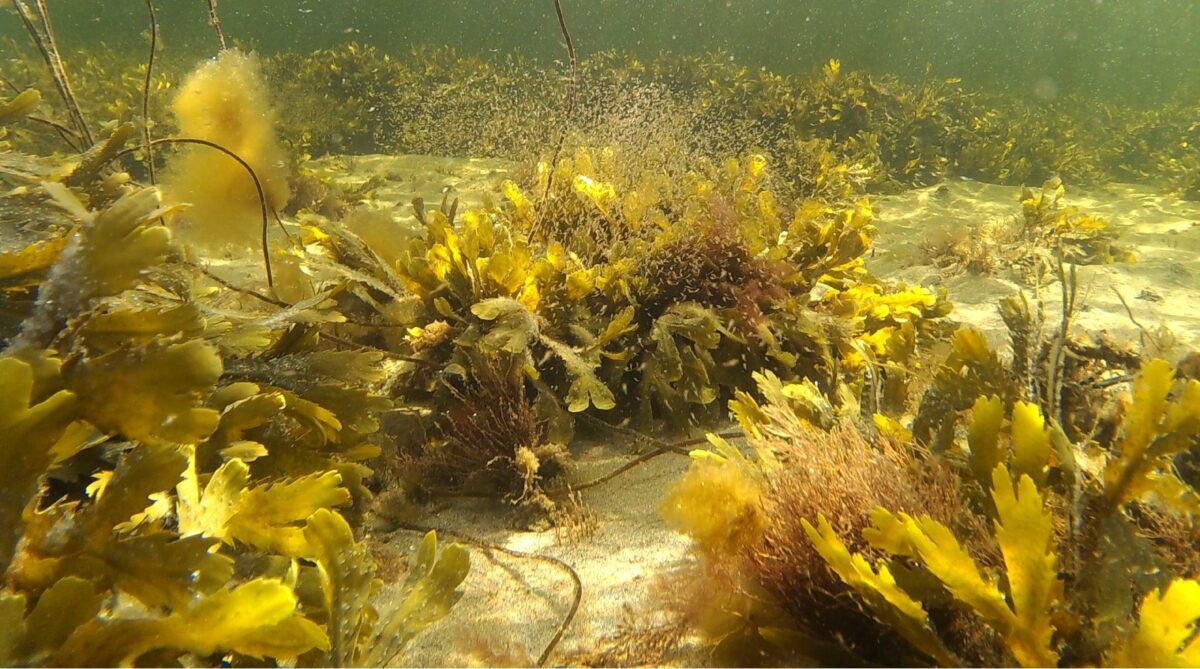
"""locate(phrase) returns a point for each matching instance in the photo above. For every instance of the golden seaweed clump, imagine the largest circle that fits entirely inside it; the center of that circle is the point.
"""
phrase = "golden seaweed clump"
(156, 434)
(225, 101)
(1080, 238)
(793, 607)
(1019, 547)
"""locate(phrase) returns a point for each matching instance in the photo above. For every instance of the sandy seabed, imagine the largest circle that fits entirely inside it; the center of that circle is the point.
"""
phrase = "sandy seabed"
(511, 607)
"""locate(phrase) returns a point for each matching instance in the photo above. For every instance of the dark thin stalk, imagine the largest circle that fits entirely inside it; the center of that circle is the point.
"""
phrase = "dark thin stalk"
(282, 227)
(678, 448)
(280, 303)
(538, 224)
(147, 140)
(11, 86)
(63, 131)
(238, 289)
(675, 447)
(1147, 335)
(46, 45)
(562, 25)
(56, 54)
(215, 22)
(262, 197)
(1055, 364)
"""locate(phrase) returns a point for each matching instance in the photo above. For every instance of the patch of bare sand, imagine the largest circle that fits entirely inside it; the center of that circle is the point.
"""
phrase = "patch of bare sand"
(511, 607)
(1160, 286)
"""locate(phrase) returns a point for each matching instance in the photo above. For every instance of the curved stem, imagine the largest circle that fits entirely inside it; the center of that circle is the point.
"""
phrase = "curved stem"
(56, 54)
(262, 197)
(47, 45)
(678, 448)
(577, 583)
(63, 131)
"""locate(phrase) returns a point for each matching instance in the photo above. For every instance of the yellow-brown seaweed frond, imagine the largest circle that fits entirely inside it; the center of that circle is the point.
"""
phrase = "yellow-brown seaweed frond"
(1080, 238)
(157, 432)
(809, 465)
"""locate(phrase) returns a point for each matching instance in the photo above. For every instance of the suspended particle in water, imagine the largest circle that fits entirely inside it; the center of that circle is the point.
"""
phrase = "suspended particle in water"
(1046, 89)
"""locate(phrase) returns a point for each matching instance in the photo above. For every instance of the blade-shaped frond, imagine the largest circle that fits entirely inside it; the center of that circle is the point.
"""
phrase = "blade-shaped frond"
(888, 602)
(1025, 532)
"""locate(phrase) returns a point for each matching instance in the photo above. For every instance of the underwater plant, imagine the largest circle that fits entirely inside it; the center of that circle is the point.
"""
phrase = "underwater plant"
(699, 282)
(336, 99)
(901, 133)
(1034, 618)
(158, 434)
(225, 101)
(1080, 238)
(194, 455)
(1010, 544)
(1047, 233)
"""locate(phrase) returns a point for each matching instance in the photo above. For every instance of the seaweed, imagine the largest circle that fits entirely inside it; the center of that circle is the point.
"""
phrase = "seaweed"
(785, 603)
(143, 461)
(224, 102)
(895, 133)
(1012, 544)
(1033, 616)
(1079, 238)
(191, 453)
(701, 282)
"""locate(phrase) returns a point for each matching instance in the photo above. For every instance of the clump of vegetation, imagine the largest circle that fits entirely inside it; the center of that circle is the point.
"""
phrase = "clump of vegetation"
(179, 467)
(1048, 232)
(109, 84)
(1071, 377)
(1080, 238)
(225, 102)
(193, 444)
(648, 305)
(435, 100)
(339, 98)
(1009, 543)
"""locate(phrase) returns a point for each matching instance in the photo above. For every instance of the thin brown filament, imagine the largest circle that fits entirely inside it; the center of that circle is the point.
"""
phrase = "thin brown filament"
(147, 140)
(538, 223)
(215, 22)
(47, 47)
(55, 53)
(678, 448)
(63, 131)
(344, 342)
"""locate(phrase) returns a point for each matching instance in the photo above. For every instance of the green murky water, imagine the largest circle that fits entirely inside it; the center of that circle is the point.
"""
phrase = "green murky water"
(1129, 49)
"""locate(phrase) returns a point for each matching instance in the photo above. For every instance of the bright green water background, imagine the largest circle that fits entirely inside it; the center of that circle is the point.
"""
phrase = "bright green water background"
(1121, 49)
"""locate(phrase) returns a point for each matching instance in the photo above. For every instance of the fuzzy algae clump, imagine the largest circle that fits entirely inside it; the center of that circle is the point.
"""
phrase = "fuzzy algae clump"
(226, 101)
